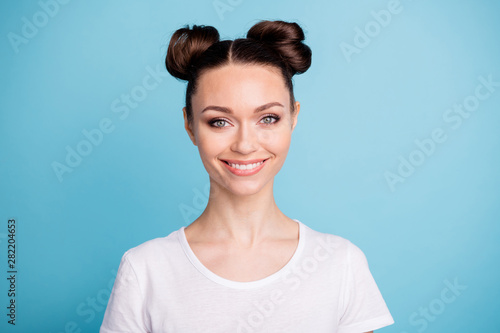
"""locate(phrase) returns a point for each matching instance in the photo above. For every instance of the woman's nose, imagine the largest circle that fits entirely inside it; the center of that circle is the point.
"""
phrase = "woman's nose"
(246, 139)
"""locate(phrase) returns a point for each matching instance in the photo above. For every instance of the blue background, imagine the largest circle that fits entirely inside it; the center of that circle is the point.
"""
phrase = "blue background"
(360, 116)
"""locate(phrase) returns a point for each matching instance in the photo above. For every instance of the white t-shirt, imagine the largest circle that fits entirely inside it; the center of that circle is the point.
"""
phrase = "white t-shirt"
(326, 287)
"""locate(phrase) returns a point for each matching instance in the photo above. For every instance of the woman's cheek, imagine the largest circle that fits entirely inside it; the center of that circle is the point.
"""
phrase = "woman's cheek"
(275, 138)
(212, 143)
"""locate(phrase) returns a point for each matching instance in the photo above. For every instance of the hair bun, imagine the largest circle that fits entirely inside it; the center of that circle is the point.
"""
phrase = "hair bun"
(187, 45)
(286, 38)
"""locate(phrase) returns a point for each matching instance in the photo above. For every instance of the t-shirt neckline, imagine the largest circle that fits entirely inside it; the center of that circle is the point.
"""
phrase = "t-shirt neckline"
(238, 284)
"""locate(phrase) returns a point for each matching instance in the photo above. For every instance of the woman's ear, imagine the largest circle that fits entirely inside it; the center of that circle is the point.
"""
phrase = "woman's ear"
(295, 114)
(187, 127)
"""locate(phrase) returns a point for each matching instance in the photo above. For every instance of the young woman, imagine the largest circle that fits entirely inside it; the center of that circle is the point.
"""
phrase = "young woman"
(243, 265)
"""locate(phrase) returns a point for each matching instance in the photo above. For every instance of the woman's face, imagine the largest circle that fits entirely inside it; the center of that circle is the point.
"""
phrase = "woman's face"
(241, 115)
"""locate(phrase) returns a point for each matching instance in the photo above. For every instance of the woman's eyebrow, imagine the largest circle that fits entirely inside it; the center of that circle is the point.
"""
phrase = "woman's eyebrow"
(228, 110)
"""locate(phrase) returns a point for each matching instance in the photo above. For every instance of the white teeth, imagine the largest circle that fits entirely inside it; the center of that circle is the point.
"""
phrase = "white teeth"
(246, 166)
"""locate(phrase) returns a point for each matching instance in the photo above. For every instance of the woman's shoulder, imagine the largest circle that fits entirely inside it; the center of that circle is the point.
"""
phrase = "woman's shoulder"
(330, 242)
(155, 248)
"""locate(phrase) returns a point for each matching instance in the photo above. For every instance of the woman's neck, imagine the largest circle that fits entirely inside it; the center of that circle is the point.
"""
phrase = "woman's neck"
(244, 221)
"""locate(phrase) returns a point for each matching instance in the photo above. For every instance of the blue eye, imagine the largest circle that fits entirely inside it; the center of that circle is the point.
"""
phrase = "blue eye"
(271, 117)
(216, 122)
(267, 120)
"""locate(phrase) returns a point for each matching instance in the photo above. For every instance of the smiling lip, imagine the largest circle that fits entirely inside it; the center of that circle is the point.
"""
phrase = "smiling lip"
(240, 172)
(245, 162)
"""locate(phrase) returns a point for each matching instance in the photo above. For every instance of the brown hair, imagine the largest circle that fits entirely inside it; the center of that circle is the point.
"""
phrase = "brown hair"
(269, 43)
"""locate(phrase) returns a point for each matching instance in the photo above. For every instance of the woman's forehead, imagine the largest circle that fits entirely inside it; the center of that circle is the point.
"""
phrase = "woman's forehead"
(237, 84)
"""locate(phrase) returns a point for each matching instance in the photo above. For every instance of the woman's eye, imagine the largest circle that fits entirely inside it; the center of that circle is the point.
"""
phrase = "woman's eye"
(218, 123)
(266, 120)
(270, 119)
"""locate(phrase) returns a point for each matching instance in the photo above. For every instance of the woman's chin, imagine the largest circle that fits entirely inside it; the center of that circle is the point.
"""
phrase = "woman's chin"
(245, 188)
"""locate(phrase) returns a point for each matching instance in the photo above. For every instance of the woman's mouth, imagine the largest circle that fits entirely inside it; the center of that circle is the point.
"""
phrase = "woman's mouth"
(244, 168)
